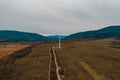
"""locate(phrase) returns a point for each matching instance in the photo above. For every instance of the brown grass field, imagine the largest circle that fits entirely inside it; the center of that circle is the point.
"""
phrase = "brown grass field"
(33, 66)
(7, 49)
(81, 60)
(90, 60)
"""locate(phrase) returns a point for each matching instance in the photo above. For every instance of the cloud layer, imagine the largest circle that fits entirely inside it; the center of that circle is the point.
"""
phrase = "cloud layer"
(58, 16)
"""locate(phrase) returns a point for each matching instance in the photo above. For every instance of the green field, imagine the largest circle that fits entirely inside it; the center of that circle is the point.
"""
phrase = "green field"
(97, 54)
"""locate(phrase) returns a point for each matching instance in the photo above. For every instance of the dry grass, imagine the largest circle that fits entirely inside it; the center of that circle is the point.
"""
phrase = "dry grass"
(8, 49)
(34, 66)
(97, 57)
(91, 71)
(98, 54)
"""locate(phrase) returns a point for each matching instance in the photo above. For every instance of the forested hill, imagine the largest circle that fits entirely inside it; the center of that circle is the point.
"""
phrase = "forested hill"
(17, 36)
(107, 32)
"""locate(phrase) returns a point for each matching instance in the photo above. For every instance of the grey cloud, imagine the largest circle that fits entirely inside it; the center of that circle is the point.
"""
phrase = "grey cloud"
(58, 16)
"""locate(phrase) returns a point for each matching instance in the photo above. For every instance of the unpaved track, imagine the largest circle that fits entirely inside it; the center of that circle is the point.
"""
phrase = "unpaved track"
(55, 68)
(91, 71)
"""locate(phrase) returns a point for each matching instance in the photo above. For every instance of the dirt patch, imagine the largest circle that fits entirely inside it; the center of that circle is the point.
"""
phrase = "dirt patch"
(115, 44)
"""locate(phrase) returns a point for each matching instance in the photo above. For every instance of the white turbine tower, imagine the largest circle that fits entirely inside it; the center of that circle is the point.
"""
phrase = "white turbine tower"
(59, 42)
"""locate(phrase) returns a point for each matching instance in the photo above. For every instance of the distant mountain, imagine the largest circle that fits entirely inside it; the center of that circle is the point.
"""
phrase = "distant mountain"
(107, 32)
(17, 36)
(55, 37)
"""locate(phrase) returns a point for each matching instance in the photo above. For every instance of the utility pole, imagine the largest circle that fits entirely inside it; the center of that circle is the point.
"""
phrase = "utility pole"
(59, 42)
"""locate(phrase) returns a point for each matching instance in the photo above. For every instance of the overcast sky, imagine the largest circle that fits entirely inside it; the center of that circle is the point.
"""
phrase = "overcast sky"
(58, 16)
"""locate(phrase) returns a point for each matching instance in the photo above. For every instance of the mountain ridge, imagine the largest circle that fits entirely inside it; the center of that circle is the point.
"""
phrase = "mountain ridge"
(106, 32)
(19, 36)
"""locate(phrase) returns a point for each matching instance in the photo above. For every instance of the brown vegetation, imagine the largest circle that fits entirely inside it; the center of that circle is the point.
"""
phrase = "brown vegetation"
(8, 49)
(81, 60)
(30, 63)
(97, 54)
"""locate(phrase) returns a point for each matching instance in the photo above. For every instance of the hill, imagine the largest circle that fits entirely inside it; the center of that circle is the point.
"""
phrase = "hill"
(55, 37)
(17, 36)
(107, 32)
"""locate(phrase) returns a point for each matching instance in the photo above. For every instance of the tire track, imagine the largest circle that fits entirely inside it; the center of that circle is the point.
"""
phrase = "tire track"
(91, 71)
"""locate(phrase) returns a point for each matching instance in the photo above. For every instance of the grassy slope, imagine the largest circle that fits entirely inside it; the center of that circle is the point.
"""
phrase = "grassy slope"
(34, 66)
(97, 54)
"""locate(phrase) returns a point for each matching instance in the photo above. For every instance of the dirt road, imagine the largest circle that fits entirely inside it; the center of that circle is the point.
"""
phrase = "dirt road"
(55, 68)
